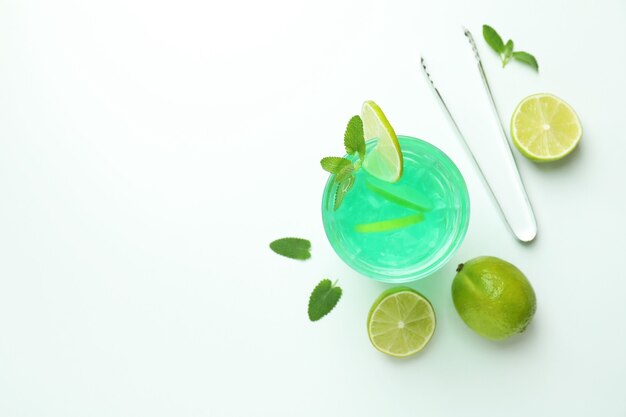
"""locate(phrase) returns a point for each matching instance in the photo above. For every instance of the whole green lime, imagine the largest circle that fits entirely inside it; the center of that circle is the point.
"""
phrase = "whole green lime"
(493, 297)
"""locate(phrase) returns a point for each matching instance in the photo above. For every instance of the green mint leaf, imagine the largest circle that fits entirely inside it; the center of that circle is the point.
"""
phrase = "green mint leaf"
(342, 189)
(334, 164)
(354, 139)
(507, 53)
(526, 58)
(493, 39)
(345, 172)
(323, 299)
(292, 247)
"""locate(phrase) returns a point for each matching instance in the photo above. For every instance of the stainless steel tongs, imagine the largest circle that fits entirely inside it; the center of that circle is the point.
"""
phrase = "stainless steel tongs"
(467, 99)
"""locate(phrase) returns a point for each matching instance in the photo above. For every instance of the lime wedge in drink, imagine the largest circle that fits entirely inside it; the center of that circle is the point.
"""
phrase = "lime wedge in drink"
(385, 160)
(401, 322)
(402, 195)
(388, 225)
(545, 128)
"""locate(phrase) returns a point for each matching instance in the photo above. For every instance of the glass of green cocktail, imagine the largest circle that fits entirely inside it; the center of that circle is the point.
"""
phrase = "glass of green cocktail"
(403, 230)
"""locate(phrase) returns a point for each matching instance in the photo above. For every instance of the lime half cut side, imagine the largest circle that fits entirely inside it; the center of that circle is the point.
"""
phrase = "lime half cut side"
(401, 322)
(385, 160)
(545, 128)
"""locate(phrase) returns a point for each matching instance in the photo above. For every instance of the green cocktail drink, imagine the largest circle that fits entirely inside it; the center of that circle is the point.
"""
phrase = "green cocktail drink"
(402, 231)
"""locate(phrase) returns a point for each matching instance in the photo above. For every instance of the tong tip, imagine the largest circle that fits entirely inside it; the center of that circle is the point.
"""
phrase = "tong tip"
(423, 62)
(469, 37)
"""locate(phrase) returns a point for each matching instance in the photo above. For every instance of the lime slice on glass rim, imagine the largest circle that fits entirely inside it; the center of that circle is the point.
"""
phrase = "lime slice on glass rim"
(385, 160)
(545, 128)
(401, 322)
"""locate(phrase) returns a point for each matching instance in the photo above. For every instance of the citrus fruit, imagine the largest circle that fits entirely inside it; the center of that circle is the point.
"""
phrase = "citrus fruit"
(401, 322)
(385, 160)
(493, 297)
(391, 224)
(545, 128)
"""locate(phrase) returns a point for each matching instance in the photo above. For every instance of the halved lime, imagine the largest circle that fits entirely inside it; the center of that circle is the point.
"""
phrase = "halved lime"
(385, 160)
(545, 128)
(401, 322)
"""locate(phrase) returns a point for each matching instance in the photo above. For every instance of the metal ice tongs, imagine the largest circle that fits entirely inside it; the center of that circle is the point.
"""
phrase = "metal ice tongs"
(484, 136)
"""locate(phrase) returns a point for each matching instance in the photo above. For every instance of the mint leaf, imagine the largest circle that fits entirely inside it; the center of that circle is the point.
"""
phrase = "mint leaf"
(342, 189)
(343, 168)
(334, 164)
(345, 172)
(292, 247)
(353, 138)
(323, 299)
(507, 53)
(526, 58)
(493, 39)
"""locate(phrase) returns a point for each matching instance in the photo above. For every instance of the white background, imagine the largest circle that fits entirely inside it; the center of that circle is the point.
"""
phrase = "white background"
(150, 151)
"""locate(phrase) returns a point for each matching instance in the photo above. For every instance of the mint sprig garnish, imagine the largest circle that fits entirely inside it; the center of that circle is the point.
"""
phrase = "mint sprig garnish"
(292, 247)
(343, 168)
(354, 138)
(505, 50)
(323, 299)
